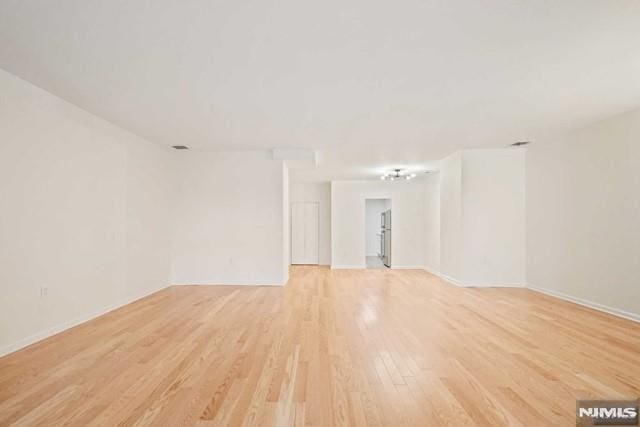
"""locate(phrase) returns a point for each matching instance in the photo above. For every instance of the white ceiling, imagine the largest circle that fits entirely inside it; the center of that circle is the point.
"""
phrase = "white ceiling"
(371, 84)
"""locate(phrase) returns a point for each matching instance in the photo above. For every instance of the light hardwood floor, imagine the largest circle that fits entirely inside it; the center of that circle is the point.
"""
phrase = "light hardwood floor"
(377, 347)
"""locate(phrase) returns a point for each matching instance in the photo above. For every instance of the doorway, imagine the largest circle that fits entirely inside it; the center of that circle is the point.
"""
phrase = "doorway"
(377, 233)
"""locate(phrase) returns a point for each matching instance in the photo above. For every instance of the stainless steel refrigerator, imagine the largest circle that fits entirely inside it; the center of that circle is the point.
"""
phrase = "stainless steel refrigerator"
(385, 224)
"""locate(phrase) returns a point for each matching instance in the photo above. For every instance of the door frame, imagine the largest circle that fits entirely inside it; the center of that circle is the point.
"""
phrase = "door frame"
(364, 220)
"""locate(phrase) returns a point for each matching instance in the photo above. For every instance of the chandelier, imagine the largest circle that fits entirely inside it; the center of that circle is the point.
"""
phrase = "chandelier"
(397, 174)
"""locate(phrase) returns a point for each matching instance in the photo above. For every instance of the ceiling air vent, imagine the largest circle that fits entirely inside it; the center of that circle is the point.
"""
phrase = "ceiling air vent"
(520, 143)
(180, 147)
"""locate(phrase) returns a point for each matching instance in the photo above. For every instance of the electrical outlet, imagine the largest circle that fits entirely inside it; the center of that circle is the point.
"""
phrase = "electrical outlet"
(44, 291)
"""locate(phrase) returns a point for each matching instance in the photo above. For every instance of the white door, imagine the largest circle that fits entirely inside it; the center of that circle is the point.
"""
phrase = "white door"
(311, 233)
(297, 233)
(304, 233)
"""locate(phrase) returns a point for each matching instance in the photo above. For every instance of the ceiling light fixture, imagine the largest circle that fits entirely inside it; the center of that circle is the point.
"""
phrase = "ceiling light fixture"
(397, 174)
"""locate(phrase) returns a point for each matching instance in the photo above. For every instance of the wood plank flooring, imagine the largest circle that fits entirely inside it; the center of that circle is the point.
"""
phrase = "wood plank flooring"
(342, 347)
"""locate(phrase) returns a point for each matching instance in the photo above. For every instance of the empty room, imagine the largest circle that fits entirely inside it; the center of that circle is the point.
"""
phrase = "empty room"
(288, 213)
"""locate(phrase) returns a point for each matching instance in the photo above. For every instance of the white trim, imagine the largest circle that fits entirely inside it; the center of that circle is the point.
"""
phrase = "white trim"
(446, 278)
(492, 285)
(452, 280)
(348, 267)
(48, 332)
(364, 267)
(214, 283)
(471, 284)
(590, 304)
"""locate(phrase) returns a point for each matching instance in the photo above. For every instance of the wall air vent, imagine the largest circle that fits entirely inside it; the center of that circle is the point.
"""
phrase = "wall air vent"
(180, 147)
(520, 143)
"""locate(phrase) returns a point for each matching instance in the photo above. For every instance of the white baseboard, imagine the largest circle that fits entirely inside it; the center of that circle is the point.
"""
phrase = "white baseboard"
(445, 277)
(364, 267)
(348, 267)
(230, 284)
(217, 281)
(493, 285)
(46, 333)
(590, 304)
(471, 284)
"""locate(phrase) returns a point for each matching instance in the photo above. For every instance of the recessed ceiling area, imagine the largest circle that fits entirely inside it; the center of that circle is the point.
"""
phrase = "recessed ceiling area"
(371, 87)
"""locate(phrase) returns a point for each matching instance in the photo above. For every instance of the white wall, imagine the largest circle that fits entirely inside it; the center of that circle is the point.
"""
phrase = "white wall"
(348, 221)
(229, 218)
(321, 194)
(374, 209)
(83, 211)
(583, 214)
(431, 254)
(148, 204)
(482, 218)
(286, 223)
(493, 213)
(451, 243)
